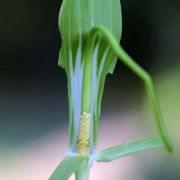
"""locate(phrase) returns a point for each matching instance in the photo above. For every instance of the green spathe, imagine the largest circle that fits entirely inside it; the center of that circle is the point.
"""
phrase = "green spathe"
(87, 57)
(78, 17)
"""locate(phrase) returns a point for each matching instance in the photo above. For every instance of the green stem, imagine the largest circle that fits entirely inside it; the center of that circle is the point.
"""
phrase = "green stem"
(87, 85)
(143, 75)
(83, 172)
(87, 77)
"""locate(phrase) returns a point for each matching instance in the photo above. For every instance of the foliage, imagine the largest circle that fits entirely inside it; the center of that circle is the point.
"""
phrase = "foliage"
(90, 31)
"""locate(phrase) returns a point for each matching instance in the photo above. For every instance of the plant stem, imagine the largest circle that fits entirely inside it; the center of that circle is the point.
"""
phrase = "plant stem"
(87, 77)
(83, 172)
(87, 85)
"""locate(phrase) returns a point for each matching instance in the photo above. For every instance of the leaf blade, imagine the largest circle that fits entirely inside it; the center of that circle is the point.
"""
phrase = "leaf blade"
(125, 149)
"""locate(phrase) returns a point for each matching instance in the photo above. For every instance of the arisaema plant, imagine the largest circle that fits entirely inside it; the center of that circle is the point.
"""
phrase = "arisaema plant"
(90, 32)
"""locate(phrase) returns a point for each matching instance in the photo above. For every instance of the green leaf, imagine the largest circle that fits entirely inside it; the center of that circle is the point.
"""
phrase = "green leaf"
(125, 149)
(68, 166)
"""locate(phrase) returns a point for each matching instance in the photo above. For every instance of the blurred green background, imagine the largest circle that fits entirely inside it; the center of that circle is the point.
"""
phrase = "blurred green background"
(33, 91)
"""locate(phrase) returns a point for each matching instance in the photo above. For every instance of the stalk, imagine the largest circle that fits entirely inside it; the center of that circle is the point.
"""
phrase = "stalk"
(83, 172)
(87, 79)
